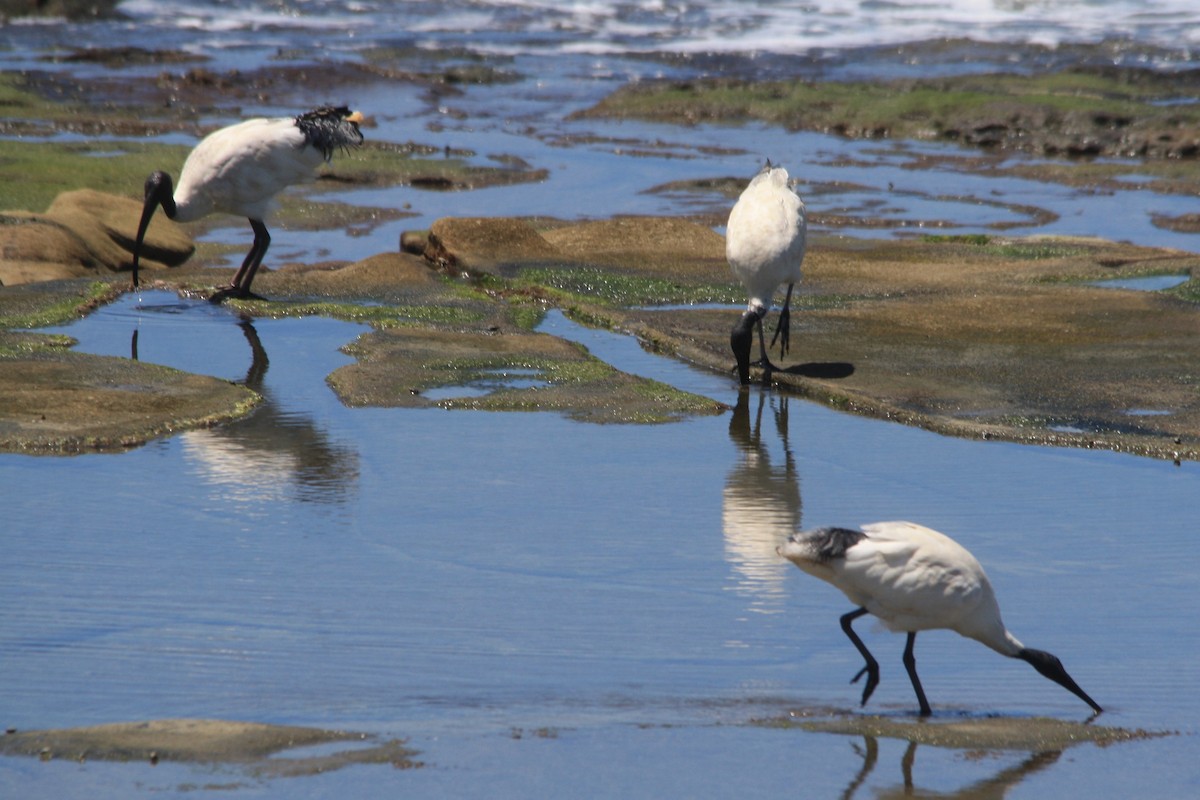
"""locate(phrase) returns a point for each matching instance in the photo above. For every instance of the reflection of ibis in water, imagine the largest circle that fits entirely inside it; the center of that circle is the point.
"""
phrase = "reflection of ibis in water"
(259, 458)
(996, 786)
(761, 501)
(239, 170)
(765, 240)
(914, 579)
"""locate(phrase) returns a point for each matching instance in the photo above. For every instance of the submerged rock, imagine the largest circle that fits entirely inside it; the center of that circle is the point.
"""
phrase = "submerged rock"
(63, 402)
(503, 370)
(253, 745)
(1035, 734)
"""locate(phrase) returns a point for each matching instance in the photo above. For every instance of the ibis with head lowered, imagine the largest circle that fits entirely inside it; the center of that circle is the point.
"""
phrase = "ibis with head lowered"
(239, 170)
(765, 240)
(914, 579)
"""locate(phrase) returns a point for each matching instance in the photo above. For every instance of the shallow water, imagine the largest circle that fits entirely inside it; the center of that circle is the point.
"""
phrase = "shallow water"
(528, 598)
(545, 606)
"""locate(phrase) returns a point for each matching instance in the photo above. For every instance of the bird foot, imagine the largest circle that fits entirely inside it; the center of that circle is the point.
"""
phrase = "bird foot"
(767, 367)
(872, 673)
(226, 292)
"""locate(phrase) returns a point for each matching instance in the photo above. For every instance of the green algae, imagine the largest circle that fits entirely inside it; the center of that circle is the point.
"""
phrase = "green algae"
(38, 306)
(14, 345)
(606, 285)
(381, 316)
(1189, 291)
(62, 166)
(1078, 112)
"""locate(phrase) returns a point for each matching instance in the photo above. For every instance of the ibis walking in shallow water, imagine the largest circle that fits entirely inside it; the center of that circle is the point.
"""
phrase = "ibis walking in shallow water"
(240, 169)
(764, 243)
(914, 579)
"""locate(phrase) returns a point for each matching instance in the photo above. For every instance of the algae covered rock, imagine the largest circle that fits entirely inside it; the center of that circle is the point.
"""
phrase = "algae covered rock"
(63, 402)
(503, 370)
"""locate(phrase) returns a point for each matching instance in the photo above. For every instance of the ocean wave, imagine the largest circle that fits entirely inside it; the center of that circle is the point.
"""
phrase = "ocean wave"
(694, 26)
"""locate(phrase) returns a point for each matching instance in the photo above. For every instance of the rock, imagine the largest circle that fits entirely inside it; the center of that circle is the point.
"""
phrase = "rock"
(377, 275)
(261, 748)
(108, 224)
(485, 243)
(71, 9)
(65, 402)
(34, 248)
(664, 244)
(84, 233)
(414, 242)
(396, 367)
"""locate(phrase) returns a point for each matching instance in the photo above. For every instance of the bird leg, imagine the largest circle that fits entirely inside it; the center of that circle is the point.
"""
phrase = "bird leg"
(245, 275)
(871, 669)
(764, 361)
(240, 285)
(783, 327)
(910, 664)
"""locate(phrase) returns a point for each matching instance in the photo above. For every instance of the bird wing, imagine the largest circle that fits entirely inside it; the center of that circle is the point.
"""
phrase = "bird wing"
(765, 238)
(911, 577)
(240, 169)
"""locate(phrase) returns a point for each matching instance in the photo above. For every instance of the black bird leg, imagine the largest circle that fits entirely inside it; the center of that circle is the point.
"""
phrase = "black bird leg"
(783, 328)
(741, 340)
(871, 670)
(764, 361)
(240, 285)
(910, 664)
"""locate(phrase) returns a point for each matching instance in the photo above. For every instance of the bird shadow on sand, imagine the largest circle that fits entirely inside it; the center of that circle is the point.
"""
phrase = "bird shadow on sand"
(828, 370)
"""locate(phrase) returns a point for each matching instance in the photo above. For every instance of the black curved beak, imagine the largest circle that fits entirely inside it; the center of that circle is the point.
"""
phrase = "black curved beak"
(159, 192)
(741, 341)
(1049, 666)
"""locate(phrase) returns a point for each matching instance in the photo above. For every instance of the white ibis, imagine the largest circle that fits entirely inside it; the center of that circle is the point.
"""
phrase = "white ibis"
(240, 169)
(914, 579)
(764, 243)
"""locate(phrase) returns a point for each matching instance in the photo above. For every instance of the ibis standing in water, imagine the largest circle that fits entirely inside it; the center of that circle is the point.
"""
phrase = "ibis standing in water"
(240, 169)
(764, 243)
(914, 579)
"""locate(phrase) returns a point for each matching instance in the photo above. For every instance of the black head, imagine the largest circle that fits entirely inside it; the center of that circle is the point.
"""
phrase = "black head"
(1049, 666)
(159, 192)
(741, 341)
(331, 128)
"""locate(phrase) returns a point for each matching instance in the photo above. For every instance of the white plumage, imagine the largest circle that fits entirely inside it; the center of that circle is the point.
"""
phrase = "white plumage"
(765, 240)
(914, 579)
(241, 168)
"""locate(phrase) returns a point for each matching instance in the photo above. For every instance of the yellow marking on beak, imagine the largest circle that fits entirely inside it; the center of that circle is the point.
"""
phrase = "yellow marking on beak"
(357, 116)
